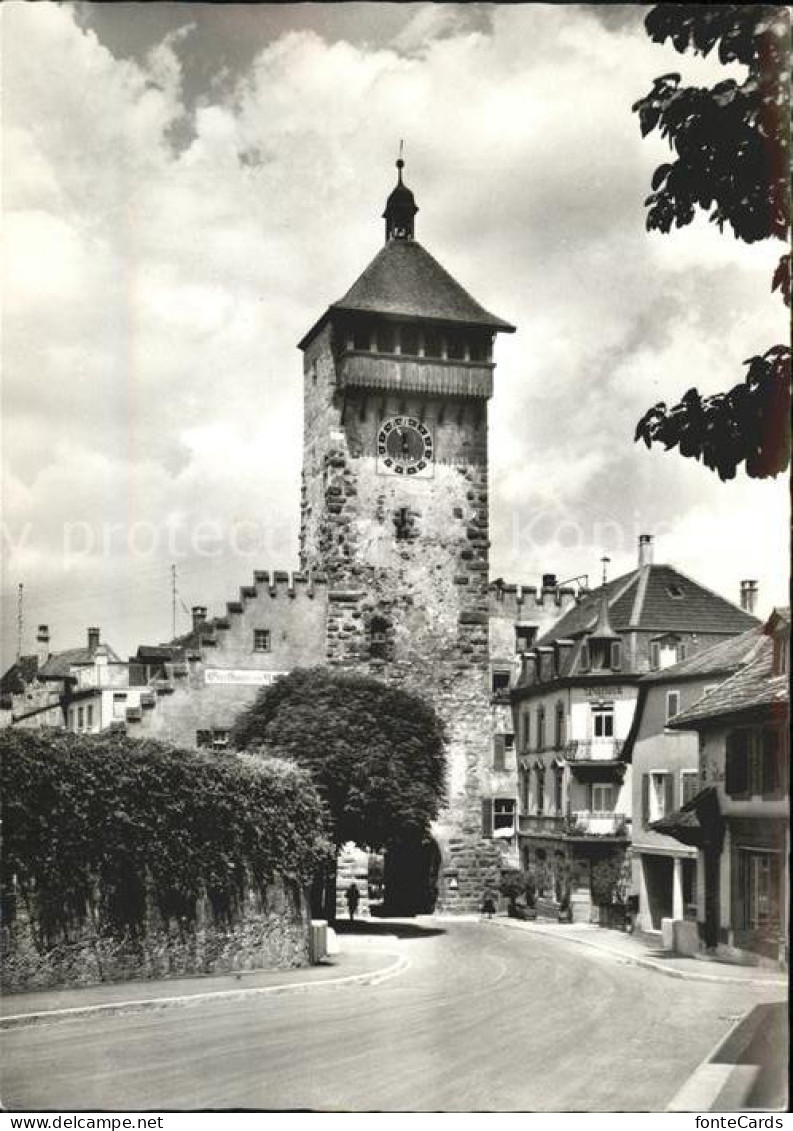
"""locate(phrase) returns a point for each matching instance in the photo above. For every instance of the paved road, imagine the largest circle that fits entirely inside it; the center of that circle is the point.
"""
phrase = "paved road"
(483, 1019)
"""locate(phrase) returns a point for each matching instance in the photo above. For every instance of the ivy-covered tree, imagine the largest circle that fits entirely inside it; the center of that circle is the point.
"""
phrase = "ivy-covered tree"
(731, 146)
(376, 754)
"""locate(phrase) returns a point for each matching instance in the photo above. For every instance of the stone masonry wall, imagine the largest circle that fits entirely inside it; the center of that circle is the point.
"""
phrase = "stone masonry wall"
(408, 561)
(267, 936)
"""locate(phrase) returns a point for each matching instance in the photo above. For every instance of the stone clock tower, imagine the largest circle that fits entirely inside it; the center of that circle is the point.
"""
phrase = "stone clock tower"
(398, 375)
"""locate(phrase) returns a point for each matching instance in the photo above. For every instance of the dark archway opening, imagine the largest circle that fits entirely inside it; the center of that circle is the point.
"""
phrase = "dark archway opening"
(410, 877)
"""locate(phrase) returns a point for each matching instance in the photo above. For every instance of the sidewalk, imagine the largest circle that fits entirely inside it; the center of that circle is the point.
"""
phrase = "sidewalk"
(358, 963)
(643, 952)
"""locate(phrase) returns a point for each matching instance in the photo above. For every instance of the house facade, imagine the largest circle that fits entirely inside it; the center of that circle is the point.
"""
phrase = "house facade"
(86, 689)
(573, 709)
(665, 774)
(739, 820)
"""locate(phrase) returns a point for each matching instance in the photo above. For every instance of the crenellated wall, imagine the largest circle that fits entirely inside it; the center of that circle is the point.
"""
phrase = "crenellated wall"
(222, 672)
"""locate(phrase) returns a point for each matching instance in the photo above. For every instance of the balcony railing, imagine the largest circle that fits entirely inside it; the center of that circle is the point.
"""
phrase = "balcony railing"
(593, 750)
(593, 822)
(541, 823)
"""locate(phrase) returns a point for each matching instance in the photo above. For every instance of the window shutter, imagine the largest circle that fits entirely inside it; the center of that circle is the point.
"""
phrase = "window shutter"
(499, 757)
(645, 799)
(669, 794)
(487, 816)
(770, 768)
(736, 775)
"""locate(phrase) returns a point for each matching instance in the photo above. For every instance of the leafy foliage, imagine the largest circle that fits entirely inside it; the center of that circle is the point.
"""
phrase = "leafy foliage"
(749, 424)
(732, 161)
(376, 754)
(97, 825)
(611, 879)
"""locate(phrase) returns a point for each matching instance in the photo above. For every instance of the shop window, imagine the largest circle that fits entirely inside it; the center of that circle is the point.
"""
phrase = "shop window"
(760, 874)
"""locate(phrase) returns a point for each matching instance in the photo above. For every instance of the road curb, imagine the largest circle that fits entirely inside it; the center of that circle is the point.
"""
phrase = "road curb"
(646, 963)
(372, 977)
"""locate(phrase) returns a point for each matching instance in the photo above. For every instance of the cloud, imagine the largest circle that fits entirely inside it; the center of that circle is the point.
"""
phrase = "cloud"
(179, 213)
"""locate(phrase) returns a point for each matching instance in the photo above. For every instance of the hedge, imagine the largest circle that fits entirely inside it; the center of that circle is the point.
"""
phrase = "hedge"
(97, 826)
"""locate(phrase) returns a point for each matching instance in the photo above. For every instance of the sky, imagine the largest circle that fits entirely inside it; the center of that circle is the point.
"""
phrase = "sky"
(186, 189)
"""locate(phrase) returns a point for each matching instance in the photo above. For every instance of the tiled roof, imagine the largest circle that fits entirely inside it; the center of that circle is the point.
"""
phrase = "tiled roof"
(656, 598)
(19, 675)
(722, 658)
(59, 665)
(404, 279)
(753, 686)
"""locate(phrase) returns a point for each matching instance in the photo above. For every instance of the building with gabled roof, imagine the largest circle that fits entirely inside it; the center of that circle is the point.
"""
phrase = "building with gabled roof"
(665, 774)
(574, 707)
(739, 820)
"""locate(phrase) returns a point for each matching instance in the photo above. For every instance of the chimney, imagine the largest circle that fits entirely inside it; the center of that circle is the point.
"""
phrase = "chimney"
(549, 581)
(645, 550)
(749, 596)
(199, 615)
(93, 639)
(42, 645)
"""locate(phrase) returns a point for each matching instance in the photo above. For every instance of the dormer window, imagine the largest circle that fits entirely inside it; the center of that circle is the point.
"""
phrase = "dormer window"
(616, 655)
(675, 591)
(585, 661)
(780, 659)
(666, 651)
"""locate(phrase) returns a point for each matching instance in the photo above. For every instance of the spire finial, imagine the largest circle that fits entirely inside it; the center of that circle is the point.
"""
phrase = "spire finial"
(401, 207)
(605, 561)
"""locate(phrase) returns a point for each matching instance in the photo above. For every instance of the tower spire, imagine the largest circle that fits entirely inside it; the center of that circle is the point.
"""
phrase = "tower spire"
(401, 206)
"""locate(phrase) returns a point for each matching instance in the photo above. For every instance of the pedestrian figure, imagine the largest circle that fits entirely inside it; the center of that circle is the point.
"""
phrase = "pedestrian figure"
(488, 907)
(352, 895)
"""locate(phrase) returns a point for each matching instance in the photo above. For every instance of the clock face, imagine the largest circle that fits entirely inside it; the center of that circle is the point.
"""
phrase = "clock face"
(404, 447)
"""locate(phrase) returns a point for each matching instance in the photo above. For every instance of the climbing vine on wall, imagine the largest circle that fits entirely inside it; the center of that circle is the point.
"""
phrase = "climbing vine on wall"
(98, 828)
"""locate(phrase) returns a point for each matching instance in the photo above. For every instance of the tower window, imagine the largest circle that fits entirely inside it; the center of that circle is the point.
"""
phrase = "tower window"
(432, 343)
(455, 346)
(409, 340)
(500, 682)
(360, 337)
(386, 338)
(524, 637)
(378, 637)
